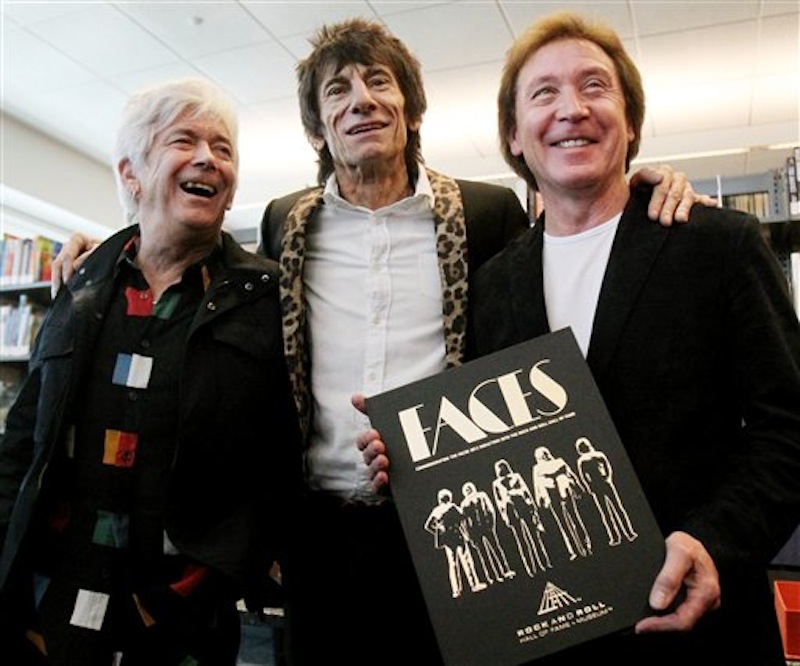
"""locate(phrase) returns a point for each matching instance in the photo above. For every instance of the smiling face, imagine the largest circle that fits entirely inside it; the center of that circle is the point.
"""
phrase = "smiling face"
(571, 126)
(188, 177)
(363, 119)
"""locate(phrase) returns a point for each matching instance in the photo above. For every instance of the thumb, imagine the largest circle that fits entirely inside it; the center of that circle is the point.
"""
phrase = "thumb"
(359, 401)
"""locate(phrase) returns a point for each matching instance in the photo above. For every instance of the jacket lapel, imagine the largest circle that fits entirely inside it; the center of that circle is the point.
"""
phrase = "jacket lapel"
(526, 270)
(293, 252)
(451, 248)
(636, 246)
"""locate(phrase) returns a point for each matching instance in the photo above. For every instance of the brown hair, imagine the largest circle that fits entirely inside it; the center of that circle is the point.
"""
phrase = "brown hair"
(566, 25)
(366, 43)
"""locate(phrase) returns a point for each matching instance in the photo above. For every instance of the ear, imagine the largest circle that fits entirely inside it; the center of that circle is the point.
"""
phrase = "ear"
(127, 176)
(514, 146)
(414, 124)
(317, 142)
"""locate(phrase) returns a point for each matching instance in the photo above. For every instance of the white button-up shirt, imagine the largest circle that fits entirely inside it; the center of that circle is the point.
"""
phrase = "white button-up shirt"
(374, 303)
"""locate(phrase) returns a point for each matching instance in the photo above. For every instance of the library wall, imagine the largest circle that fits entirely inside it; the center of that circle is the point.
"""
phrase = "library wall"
(61, 180)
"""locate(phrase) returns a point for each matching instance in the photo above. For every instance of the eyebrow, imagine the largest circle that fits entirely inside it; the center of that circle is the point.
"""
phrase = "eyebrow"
(369, 70)
(216, 138)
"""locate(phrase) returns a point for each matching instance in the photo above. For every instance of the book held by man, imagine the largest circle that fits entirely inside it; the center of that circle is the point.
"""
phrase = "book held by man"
(527, 525)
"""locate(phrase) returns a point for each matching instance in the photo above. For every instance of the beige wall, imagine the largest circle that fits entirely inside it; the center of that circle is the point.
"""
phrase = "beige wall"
(43, 178)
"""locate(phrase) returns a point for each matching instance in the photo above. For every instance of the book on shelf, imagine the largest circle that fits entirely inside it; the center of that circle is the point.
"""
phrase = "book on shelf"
(755, 203)
(793, 182)
(525, 520)
(19, 324)
(26, 260)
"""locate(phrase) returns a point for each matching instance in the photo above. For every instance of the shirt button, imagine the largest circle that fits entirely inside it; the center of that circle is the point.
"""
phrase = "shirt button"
(248, 286)
(145, 343)
(211, 306)
(265, 277)
(133, 396)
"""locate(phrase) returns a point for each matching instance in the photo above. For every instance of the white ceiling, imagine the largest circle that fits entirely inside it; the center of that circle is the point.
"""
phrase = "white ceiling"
(722, 78)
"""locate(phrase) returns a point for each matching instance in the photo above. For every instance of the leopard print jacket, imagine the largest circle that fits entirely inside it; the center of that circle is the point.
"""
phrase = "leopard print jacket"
(451, 241)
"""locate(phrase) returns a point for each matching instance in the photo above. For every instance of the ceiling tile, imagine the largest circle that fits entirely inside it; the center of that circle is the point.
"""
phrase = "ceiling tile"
(196, 29)
(179, 69)
(27, 13)
(445, 36)
(28, 63)
(284, 19)
(659, 17)
(390, 7)
(616, 14)
(684, 58)
(779, 7)
(699, 107)
(104, 41)
(252, 74)
(779, 46)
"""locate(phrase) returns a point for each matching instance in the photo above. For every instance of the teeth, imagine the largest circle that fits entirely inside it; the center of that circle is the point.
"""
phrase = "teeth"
(202, 189)
(364, 128)
(573, 143)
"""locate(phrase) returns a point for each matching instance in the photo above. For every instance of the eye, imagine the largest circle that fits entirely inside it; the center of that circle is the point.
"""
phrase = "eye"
(595, 84)
(543, 93)
(224, 149)
(334, 90)
(379, 80)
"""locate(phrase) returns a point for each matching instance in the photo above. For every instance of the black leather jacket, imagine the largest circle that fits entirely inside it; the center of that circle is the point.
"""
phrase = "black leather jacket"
(238, 451)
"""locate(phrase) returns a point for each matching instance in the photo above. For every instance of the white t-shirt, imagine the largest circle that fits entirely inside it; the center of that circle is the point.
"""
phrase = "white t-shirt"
(374, 303)
(574, 267)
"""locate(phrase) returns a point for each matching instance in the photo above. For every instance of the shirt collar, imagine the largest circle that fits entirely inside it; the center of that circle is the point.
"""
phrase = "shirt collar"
(422, 190)
(205, 268)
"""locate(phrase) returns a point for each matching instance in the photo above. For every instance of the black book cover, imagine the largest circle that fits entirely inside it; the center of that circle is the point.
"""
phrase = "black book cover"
(527, 525)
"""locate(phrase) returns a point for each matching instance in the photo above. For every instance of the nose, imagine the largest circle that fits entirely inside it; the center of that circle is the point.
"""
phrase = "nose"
(572, 106)
(204, 155)
(361, 97)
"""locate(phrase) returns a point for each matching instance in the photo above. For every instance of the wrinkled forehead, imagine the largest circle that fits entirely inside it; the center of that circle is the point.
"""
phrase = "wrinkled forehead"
(567, 56)
(345, 69)
(203, 119)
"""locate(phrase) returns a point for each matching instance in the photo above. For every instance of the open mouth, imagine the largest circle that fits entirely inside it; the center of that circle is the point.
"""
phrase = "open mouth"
(199, 189)
(365, 128)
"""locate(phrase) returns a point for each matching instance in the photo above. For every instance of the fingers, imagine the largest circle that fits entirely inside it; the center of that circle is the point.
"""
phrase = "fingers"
(73, 253)
(61, 270)
(687, 567)
(372, 448)
(373, 451)
(359, 401)
(707, 200)
(668, 198)
(651, 175)
(369, 443)
(673, 195)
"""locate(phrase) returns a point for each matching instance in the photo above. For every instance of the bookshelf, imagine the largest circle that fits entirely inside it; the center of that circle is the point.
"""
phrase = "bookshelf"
(772, 196)
(24, 299)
